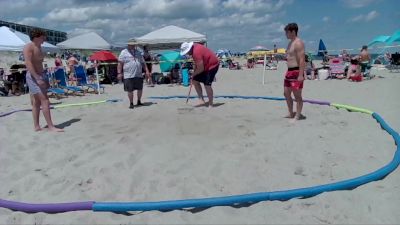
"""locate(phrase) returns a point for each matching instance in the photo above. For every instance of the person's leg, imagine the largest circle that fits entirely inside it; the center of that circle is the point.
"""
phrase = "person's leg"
(299, 103)
(289, 101)
(35, 102)
(130, 97)
(210, 95)
(199, 91)
(45, 103)
(139, 97)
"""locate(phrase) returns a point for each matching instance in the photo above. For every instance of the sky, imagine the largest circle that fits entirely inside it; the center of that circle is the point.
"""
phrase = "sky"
(237, 25)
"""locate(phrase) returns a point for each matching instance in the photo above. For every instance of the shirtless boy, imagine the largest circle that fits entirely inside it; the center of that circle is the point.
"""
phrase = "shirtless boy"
(294, 77)
(36, 80)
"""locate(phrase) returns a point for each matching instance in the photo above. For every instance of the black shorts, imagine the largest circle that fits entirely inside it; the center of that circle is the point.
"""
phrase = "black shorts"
(207, 77)
(132, 84)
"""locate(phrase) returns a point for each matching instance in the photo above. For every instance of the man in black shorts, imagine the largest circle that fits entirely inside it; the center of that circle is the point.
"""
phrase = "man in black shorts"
(130, 64)
(206, 66)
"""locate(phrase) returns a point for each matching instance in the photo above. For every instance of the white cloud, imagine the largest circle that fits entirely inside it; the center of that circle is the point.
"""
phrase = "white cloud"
(357, 3)
(238, 23)
(325, 19)
(365, 18)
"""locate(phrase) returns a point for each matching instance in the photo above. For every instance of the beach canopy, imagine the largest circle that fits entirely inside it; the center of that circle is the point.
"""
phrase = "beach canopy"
(169, 37)
(46, 47)
(259, 48)
(379, 39)
(321, 48)
(88, 41)
(103, 56)
(394, 38)
(168, 60)
(11, 40)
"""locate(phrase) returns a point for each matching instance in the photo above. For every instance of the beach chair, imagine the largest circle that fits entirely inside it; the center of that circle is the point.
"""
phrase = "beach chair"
(54, 91)
(394, 65)
(82, 79)
(336, 68)
(61, 79)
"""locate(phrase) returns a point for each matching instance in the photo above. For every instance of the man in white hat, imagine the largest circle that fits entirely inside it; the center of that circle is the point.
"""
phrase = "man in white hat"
(130, 64)
(206, 66)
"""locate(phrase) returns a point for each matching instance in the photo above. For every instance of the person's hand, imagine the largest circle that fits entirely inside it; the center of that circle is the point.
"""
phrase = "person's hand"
(300, 78)
(119, 76)
(41, 83)
(148, 75)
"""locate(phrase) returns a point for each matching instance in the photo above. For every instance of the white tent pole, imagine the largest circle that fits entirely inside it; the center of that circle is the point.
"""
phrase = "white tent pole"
(97, 78)
(265, 60)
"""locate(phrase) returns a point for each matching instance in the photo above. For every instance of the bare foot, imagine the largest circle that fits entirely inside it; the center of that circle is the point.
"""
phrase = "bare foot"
(210, 105)
(55, 129)
(290, 115)
(296, 118)
(38, 129)
(201, 103)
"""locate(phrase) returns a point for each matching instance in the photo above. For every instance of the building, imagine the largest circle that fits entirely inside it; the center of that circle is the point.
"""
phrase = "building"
(53, 36)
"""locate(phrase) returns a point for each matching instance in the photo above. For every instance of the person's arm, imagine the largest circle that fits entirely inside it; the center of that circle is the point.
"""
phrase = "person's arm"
(28, 54)
(300, 56)
(199, 68)
(120, 69)
(145, 67)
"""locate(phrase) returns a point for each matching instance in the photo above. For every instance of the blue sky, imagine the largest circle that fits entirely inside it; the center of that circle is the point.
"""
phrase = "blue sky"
(233, 24)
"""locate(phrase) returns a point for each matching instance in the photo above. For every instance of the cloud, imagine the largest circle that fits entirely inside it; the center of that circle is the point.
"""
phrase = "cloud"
(357, 3)
(238, 24)
(365, 18)
(325, 19)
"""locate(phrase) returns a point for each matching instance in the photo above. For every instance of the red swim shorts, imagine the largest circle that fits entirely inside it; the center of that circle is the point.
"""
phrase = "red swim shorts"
(357, 78)
(291, 80)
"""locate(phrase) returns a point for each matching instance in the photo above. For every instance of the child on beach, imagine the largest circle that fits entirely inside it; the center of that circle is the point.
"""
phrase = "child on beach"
(354, 71)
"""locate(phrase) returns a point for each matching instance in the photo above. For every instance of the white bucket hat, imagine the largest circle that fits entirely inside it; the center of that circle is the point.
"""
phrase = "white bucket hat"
(185, 47)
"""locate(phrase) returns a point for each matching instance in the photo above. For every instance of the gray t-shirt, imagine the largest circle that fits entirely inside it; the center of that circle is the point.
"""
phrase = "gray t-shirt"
(133, 62)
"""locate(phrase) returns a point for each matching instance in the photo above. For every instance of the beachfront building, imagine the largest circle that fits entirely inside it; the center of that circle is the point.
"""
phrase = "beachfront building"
(53, 36)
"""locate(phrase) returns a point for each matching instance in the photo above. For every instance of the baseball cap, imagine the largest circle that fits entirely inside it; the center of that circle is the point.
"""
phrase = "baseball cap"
(185, 47)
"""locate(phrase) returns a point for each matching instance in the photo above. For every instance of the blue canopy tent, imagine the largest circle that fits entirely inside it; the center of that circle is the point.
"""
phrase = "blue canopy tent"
(321, 48)
(168, 60)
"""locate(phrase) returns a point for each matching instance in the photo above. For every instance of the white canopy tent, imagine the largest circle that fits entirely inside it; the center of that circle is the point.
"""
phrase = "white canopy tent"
(88, 41)
(11, 40)
(46, 47)
(169, 37)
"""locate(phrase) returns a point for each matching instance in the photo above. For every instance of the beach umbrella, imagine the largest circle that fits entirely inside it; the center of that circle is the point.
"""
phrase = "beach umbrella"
(103, 56)
(394, 38)
(379, 39)
(168, 60)
(321, 48)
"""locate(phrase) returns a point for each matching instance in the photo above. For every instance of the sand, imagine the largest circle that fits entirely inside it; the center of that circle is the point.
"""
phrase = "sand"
(169, 150)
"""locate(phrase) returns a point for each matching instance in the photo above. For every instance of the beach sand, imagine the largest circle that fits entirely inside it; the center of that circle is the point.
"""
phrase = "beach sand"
(169, 150)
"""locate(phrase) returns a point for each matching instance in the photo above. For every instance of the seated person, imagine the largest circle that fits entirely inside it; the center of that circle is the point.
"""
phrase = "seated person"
(58, 62)
(250, 63)
(174, 76)
(354, 71)
(310, 69)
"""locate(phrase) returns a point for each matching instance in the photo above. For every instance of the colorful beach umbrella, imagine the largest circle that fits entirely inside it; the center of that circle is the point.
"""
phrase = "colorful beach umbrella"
(103, 56)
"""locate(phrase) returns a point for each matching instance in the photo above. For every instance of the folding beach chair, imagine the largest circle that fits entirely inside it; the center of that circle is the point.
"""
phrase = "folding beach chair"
(82, 79)
(61, 79)
(54, 91)
(336, 68)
